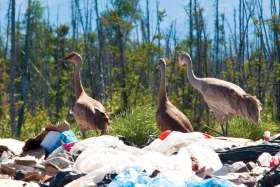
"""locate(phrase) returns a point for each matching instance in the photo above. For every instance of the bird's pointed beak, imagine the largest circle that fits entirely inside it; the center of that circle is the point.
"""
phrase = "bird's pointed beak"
(68, 58)
(156, 66)
(62, 60)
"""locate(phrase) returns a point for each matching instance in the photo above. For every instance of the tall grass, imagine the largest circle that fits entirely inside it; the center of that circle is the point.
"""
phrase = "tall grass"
(240, 127)
(136, 124)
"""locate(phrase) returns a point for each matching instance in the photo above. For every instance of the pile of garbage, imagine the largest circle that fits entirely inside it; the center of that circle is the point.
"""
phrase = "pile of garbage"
(57, 158)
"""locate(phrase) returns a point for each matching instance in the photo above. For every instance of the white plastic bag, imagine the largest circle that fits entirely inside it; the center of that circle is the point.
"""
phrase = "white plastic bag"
(91, 179)
(92, 159)
(13, 145)
(264, 159)
(205, 156)
(174, 142)
(96, 142)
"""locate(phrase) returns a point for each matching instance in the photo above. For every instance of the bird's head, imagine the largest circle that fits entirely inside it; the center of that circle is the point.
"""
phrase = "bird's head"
(74, 58)
(161, 63)
(184, 59)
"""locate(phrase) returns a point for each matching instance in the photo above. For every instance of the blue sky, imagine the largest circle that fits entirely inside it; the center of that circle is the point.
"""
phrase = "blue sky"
(174, 9)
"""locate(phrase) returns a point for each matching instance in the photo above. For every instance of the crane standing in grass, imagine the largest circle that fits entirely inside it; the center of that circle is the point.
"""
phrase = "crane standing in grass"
(89, 113)
(225, 99)
(168, 117)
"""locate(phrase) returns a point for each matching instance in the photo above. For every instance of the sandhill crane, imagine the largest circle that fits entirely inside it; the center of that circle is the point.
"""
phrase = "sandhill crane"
(89, 113)
(225, 99)
(168, 117)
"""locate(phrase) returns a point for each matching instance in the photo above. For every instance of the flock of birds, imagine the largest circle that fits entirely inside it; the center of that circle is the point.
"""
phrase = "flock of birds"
(224, 99)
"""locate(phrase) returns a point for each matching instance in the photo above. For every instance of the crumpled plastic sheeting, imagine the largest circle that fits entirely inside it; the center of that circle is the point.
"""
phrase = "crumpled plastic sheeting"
(93, 159)
(205, 156)
(199, 147)
(14, 145)
(91, 179)
(98, 164)
(176, 140)
(172, 156)
(173, 142)
(96, 143)
(102, 156)
(16, 183)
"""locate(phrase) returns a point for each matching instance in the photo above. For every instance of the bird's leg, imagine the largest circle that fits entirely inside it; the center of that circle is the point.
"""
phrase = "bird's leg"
(223, 128)
(102, 132)
(83, 134)
(226, 128)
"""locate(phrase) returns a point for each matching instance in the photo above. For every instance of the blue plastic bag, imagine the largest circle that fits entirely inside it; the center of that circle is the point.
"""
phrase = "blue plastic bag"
(135, 177)
(210, 183)
(68, 137)
(162, 182)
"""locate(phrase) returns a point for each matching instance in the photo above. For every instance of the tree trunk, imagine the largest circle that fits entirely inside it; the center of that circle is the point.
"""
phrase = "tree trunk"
(124, 95)
(191, 28)
(74, 24)
(148, 21)
(8, 30)
(1, 88)
(158, 26)
(276, 90)
(25, 73)
(217, 37)
(100, 56)
(12, 67)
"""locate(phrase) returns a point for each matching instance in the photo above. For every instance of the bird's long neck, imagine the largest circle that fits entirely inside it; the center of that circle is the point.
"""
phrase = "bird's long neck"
(162, 87)
(77, 81)
(195, 82)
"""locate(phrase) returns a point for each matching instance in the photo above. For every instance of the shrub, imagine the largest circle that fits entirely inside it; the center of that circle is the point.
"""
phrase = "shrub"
(136, 124)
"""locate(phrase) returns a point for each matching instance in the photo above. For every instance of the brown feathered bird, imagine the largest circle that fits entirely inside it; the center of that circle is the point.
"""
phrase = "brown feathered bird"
(89, 113)
(225, 99)
(168, 117)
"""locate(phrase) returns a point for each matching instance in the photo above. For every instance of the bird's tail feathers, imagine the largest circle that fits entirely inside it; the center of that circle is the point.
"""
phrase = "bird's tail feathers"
(254, 108)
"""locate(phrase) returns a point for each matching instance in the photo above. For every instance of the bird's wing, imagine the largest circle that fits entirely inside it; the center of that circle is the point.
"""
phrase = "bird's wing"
(98, 106)
(100, 109)
(91, 103)
(85, 105)
(83, 110)
(178, 116)
(84, 115)
(89, 111)
(228, 101)
(224, 84)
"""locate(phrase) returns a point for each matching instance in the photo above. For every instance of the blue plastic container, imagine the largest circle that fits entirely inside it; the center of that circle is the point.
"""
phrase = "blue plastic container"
(51, 141)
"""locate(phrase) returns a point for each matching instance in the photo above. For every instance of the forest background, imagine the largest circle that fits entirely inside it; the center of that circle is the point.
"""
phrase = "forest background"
(120, 43)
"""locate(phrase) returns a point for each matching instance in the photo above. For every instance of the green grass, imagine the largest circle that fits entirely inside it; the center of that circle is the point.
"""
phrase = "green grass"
(136, 124)
(242, 128)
